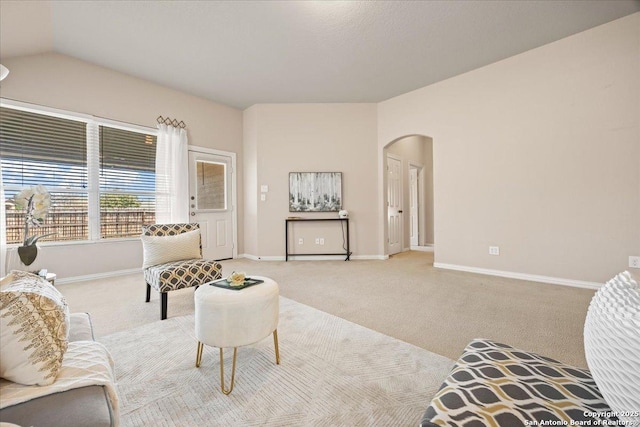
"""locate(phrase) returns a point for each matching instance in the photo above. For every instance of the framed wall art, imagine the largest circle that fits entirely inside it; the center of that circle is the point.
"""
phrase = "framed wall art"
(315, 191)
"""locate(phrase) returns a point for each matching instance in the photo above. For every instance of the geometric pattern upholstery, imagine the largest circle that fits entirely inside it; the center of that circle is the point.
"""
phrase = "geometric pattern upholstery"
(493, 384)
(178, 274)
(168, 229)
(182, 274)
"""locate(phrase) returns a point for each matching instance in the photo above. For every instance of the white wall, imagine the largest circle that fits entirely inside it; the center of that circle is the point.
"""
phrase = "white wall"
(287, 138)
(66, 83)
(538, 154)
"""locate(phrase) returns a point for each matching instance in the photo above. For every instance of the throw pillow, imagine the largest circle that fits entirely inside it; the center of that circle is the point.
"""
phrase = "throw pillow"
(163, 249)
(612, 344)
(34, 328)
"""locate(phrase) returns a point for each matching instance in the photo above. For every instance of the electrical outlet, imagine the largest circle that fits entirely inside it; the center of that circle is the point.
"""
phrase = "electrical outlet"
(322, 241)
(634, 261)
(317, 240)
(494, 250)
(301, 241)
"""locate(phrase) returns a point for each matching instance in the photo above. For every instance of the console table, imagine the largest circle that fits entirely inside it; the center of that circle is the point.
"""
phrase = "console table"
(347, 254)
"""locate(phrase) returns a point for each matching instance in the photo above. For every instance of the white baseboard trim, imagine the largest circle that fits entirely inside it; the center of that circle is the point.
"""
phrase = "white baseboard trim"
(313, 258)
(521, 276)
(97, 276)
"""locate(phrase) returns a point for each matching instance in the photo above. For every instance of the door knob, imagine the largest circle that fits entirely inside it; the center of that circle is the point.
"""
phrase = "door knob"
(193, 214)
(193, 198)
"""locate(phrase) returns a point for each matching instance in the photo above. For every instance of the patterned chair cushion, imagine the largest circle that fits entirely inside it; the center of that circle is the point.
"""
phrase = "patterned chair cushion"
(494, 384)
(182, 274)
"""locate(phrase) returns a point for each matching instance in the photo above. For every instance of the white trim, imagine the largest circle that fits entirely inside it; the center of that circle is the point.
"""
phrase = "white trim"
(234, 187)
(97, 276)
(521, 276)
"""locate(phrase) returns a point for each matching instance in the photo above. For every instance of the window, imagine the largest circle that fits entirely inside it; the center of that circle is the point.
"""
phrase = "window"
(127, 182)
(101, 178)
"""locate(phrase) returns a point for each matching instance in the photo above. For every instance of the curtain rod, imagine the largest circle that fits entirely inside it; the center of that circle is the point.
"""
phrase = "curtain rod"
(171, 122)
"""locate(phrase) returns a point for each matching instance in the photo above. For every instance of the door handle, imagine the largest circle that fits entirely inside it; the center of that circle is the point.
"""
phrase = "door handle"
(399, 211)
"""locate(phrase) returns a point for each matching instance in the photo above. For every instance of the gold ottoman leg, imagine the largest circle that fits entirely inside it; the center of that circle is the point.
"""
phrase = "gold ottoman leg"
(199, 354)
(233, 371)
(275, 344)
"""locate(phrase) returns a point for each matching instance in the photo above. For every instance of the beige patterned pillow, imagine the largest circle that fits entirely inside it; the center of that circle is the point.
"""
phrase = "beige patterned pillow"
(34, 328)
(163, 249)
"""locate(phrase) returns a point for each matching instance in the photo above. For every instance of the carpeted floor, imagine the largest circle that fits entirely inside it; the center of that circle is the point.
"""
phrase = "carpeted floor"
(332, 373)
(404, 297)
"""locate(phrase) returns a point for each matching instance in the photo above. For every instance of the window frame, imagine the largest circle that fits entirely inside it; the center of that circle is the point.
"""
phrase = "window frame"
(93, 191)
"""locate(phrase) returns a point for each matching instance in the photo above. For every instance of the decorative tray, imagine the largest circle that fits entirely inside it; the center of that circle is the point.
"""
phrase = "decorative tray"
(225, 284)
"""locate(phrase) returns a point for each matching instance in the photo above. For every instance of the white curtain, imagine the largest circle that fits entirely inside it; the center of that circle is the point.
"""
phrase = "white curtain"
(172, 176)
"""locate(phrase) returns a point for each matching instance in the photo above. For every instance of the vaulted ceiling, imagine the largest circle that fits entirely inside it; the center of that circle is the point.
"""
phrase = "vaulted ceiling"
(240, 53)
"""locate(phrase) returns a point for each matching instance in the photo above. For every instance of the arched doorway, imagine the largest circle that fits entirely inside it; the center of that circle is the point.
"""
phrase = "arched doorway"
(407, 170)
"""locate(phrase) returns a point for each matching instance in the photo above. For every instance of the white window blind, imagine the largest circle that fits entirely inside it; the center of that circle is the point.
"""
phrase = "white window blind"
(52, 151)
(101, 177)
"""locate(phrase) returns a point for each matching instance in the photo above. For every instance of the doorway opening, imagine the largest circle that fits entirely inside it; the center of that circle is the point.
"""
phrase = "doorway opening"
(408, 198)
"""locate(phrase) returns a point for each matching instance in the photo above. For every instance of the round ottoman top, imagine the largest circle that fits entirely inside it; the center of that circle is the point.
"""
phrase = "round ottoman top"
(233, 318)
(216, 295)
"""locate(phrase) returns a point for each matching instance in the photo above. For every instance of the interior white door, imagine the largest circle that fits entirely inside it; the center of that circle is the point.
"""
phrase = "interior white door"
(394, 210)
(414, 231)
(210, 178)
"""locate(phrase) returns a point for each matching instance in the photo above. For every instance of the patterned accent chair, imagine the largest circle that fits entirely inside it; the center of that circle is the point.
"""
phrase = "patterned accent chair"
(174, 275)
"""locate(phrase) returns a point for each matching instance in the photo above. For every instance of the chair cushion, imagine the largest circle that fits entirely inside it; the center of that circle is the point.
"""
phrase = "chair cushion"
(612, 344)
(498, 385)
(182, 274)
(34, 328)
(163, 249)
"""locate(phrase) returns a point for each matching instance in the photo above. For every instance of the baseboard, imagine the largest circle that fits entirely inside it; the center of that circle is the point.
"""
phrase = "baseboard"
(313, 258)
(97, 276)
(521, 276)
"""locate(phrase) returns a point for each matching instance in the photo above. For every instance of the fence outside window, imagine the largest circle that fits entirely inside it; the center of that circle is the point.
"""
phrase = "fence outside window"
(70, 225)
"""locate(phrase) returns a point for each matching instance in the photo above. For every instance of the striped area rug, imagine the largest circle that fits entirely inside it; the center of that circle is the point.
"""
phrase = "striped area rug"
(332, 373)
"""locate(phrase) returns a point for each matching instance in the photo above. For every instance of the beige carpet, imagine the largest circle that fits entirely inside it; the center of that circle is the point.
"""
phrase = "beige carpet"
(404, 297)
(332, 373)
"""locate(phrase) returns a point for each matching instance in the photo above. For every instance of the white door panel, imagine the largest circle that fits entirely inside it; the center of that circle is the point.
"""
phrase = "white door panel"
(394, 211)
(210, 183)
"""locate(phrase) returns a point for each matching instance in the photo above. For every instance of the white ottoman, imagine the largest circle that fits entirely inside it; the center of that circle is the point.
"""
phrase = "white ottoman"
(233, 318)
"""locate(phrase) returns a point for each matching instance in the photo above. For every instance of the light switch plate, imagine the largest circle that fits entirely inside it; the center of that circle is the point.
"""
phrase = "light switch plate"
(264, 188)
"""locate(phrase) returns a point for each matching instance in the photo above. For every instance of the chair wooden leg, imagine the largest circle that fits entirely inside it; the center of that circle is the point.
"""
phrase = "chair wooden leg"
(163, 305)
(148, 293)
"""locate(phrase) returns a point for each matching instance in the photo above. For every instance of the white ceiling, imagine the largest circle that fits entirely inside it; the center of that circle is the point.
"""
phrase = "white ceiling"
(240, 53)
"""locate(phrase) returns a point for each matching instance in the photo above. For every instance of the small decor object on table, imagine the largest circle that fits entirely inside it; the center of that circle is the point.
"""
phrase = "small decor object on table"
(36, 201)
(236, 281)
